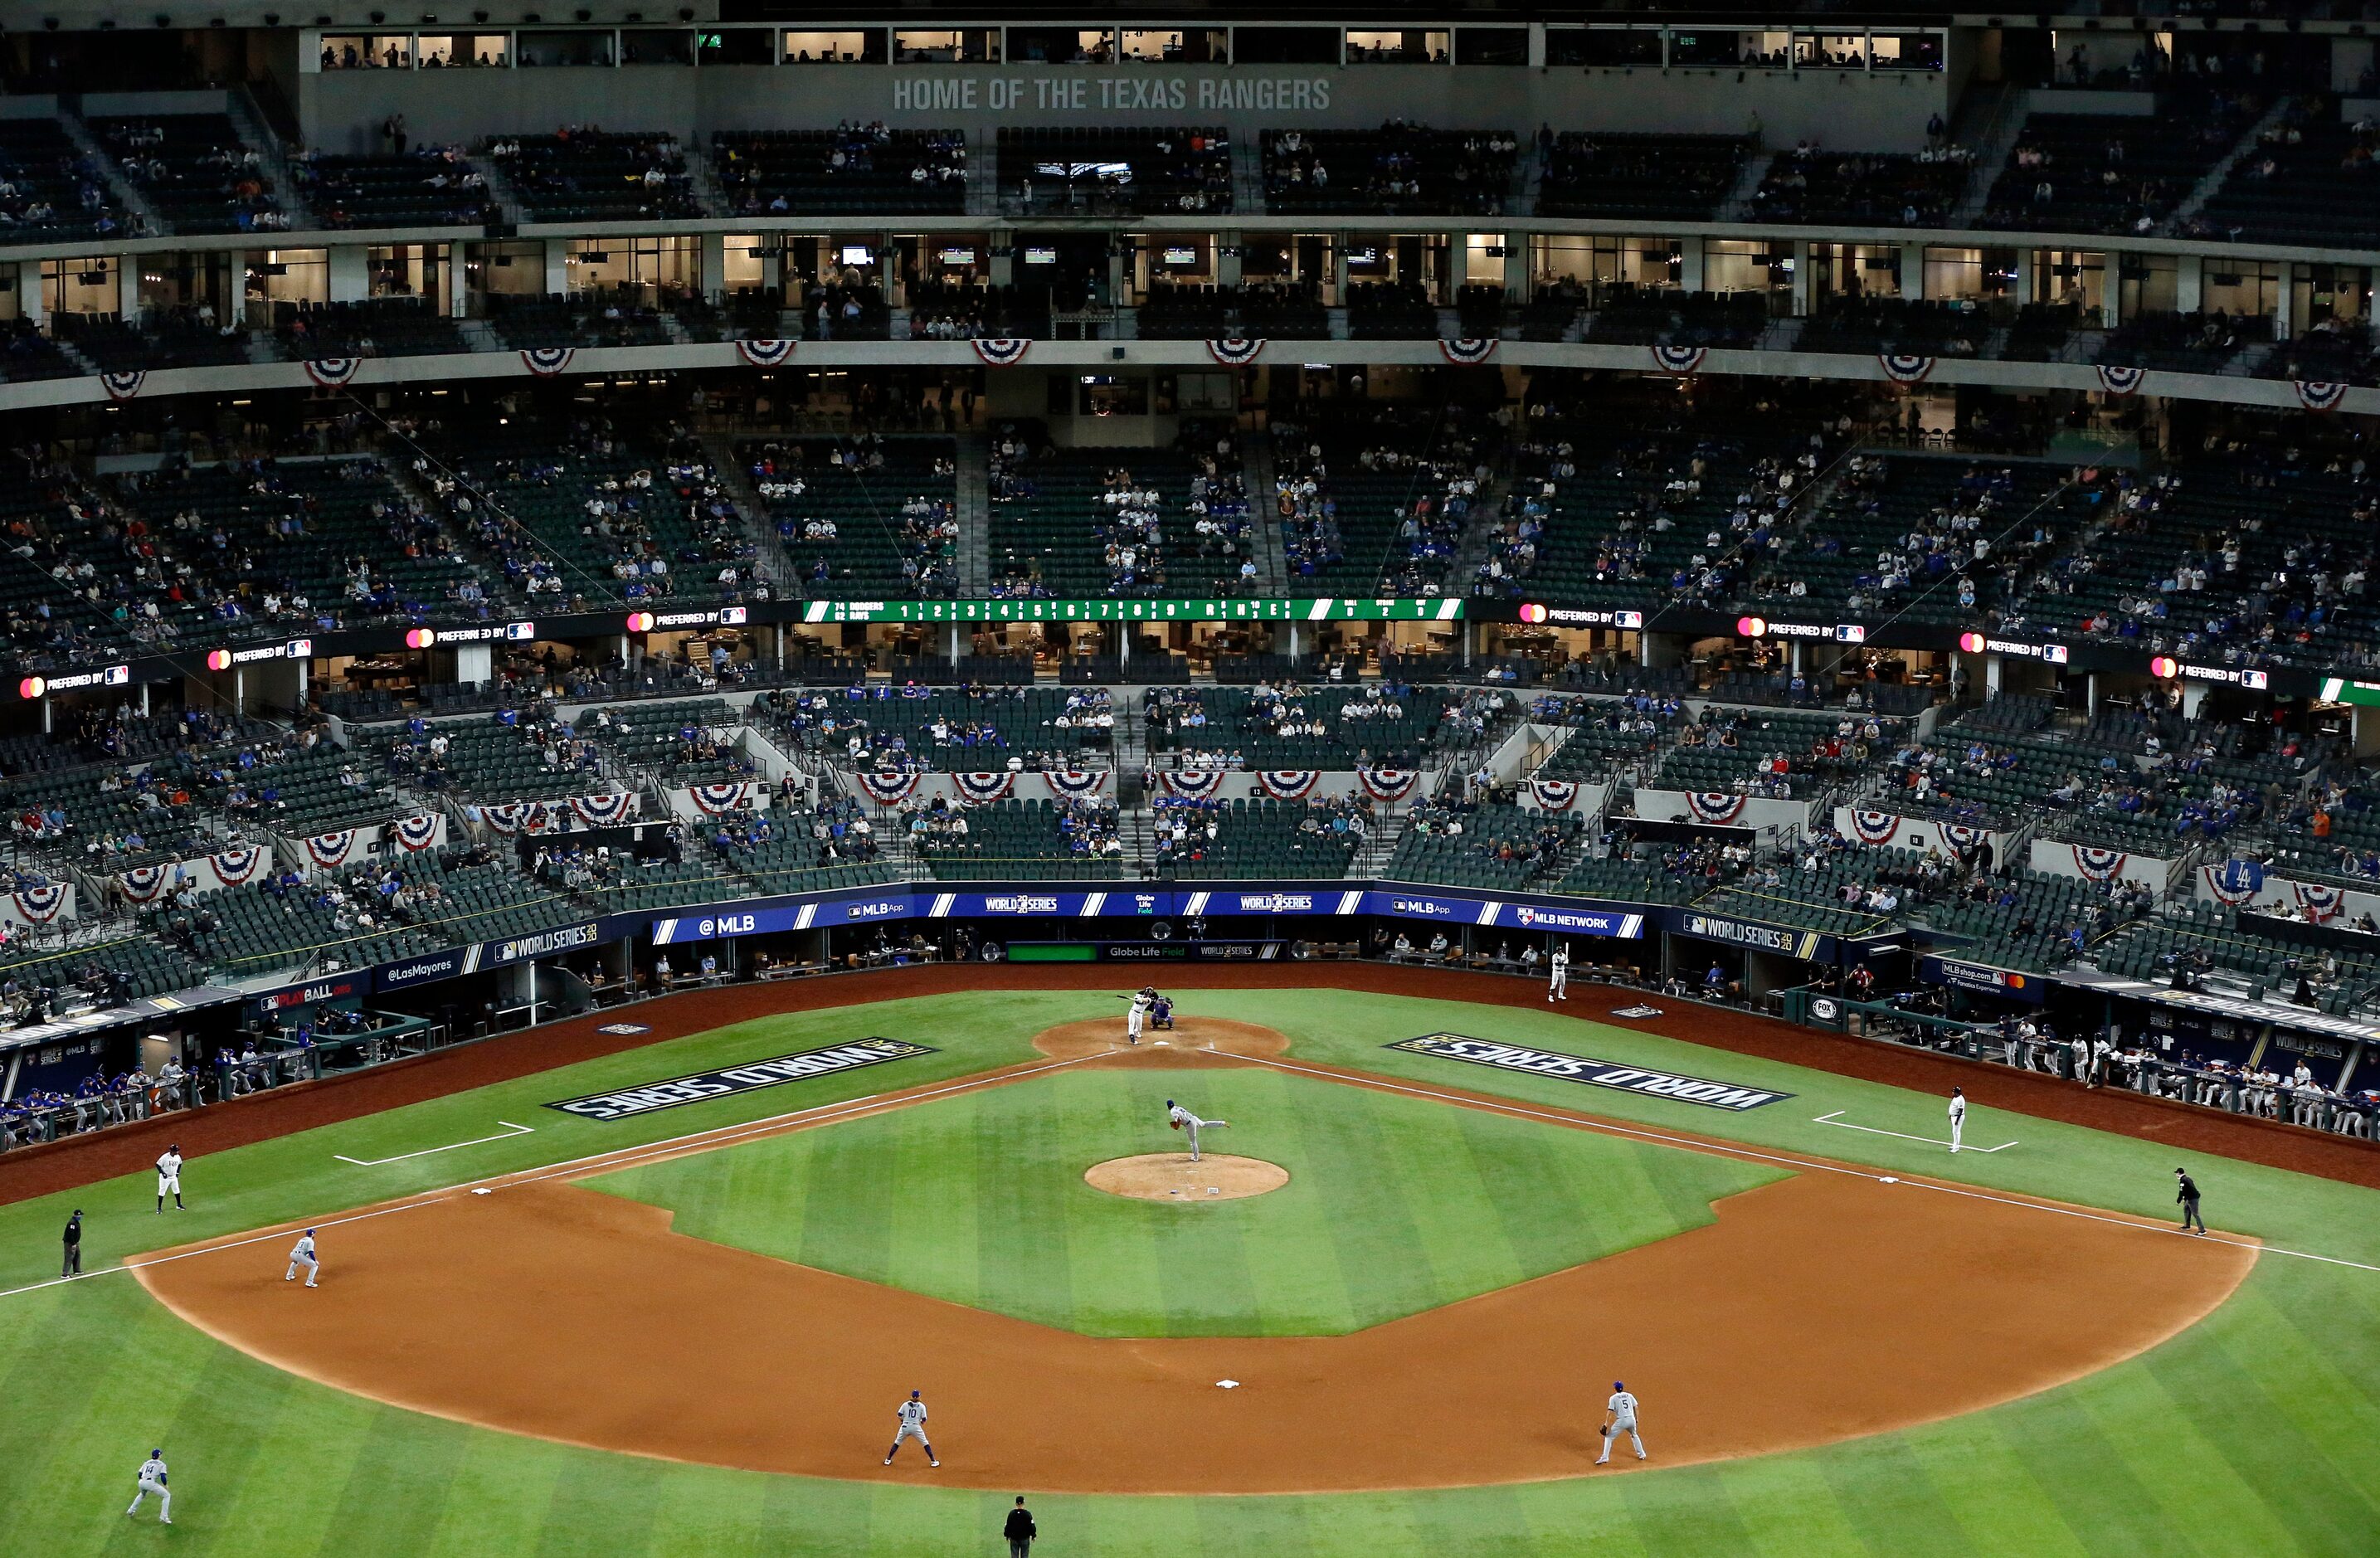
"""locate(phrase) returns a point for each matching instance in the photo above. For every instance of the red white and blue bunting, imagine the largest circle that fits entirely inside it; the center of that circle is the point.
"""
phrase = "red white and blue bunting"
(41, 905)
(713, 799)
(547, 361)
(2229, 886)
(1964, 839)
(1236, 352)
(1075, 784)
(331, 372)
(1715, 806)
(1468, 351)
(1874, 827)
(510, 817)
(329, 851)
(2121, 382)
(1554, 794)
(235, 867)
(889, 788)
(1387, 786)
(2098, 865)
(1193, 784)
(146, 884)
(2321, 904)
(1003, 351)
(764, 354)
(415, 834)
(122, 386)
(982, 789)
(2317, 394)
(1904, 368)
(1288, 784)
(603, 811)
(1678, 362)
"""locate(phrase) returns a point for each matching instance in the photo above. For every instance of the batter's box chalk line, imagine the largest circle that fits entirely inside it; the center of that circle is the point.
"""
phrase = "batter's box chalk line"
(1835, 1119)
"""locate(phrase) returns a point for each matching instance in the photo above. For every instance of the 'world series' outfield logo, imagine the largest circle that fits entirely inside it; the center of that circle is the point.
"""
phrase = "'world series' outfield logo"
(1595, 1073)
(744, 1079)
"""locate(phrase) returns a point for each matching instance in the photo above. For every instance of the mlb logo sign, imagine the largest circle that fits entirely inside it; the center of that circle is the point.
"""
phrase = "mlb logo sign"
(1628, 619)
(732, 617)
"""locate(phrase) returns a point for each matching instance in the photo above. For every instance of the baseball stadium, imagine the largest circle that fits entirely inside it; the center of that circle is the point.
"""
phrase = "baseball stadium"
(935, 780)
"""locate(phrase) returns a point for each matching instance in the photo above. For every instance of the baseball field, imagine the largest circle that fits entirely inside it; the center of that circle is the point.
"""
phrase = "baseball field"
(676, 1316)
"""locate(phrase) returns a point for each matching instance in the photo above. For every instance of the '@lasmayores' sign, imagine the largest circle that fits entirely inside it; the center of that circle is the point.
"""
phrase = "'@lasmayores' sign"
(702, 1085)
(1595, 1073)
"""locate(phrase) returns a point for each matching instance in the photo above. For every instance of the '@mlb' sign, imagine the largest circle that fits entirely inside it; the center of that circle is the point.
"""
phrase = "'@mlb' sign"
(744, 1079)
(1594, 1073)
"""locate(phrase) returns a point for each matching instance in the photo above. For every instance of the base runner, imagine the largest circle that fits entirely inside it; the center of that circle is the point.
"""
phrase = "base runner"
(1181, 1119)
(1619, 1417)
(911, 1414)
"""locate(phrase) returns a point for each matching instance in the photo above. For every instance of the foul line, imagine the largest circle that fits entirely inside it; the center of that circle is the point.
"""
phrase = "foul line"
(626, 1156)
(1370, 1079)
(1929, 1141)
(507, 1135)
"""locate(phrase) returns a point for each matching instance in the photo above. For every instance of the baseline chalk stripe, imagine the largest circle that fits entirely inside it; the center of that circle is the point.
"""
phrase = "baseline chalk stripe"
(509, 1132)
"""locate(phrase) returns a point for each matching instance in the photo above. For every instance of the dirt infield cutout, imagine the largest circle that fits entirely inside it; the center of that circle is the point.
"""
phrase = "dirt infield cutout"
(1171, 1176)
(1190, 1042)
(591, 1322)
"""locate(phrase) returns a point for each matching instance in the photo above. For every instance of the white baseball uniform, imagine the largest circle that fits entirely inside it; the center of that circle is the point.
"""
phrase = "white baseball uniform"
(1623, 1420)
(911, 1414)
(1135, 1016)
(1192, 1124)
(1958, 1119)
(169, 1174)
(1558, 982)
(303, 1255)
(153, 1481)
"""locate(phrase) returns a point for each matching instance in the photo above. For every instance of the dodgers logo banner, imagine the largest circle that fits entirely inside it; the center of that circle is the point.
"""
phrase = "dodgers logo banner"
(1594, 1073)
(701, 1085)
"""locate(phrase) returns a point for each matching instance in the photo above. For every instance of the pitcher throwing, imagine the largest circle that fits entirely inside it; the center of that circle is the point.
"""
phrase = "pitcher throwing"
(1181, 1119)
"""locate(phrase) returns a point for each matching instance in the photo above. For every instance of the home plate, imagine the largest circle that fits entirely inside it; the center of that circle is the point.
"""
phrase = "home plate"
(1164, 1043)
(1227, 1384)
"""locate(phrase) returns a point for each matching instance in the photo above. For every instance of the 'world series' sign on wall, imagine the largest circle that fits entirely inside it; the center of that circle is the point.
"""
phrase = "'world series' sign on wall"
(1594, 1073)
(702, 1085)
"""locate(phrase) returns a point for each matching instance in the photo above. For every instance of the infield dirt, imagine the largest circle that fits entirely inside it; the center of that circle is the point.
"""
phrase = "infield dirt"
(1824, 1306)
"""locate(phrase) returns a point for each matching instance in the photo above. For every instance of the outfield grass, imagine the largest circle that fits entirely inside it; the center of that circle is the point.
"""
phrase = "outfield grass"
(2252, 1432)
(1395, 1205)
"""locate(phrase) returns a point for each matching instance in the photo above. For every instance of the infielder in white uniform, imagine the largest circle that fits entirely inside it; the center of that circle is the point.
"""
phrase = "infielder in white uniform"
(153, 1481)
(169, 1177)
(1136, 1016)
(1619, 1417)
(1957, 1115)
(911, 1414)
(1558, 982)
(303, 1255)
(1182, 1120)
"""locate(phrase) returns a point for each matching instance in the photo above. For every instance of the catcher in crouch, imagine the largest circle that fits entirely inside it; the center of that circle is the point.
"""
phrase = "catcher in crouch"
(1181, 1119)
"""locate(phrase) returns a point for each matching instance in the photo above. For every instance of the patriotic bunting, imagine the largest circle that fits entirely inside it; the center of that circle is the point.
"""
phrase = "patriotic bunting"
(1068, 784)
(603, 811)
(1288, 784)
(1874, 827)
(713, 799)
(888, 788)
(329, 851)
(2316, 395)
(234, 867)
(415, 834)
(146, 884)
(1469, 351)
(1003, 351)
(982, 789)
(2321, 904)
(1236, 352)
(1678, 362)
(332, 372)
(122, 386)
(1193, 784)
(2121, 382)
(41, 905)
(2098, 865)
(1715, 806)
(1387, 784)
(1553, 794)
(764, 354)
(547, 361)
(1904, 369)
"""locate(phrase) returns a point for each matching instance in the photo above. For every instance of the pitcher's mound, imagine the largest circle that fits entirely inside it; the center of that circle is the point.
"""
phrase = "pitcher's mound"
(1171, 1176)
(1190, 1042)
